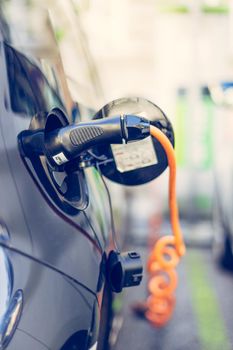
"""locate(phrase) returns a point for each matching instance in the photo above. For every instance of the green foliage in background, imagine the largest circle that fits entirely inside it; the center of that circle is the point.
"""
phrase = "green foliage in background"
(59, 34)
(211, 328)
(219, 10)
(174, 9)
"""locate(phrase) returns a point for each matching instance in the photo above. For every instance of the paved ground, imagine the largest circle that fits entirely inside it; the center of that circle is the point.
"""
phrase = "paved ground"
(203, 319)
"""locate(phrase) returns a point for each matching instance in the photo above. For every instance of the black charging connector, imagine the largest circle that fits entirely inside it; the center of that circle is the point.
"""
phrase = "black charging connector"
(65, 144)
(62, 144)
(124, 270)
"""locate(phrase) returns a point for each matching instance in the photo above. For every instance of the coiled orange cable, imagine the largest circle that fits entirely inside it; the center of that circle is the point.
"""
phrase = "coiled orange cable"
(167, 251)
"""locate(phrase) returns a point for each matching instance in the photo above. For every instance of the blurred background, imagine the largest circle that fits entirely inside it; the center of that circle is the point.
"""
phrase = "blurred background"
(179, 55)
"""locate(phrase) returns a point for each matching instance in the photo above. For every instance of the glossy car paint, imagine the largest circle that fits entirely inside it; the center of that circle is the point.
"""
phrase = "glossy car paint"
(55, 259)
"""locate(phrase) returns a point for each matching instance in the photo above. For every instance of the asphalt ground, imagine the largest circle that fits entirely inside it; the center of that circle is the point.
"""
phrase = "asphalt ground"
(203, 317)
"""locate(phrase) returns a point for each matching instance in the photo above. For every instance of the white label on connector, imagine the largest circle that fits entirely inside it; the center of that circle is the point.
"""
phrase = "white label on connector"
(134, 155)
(60, 158)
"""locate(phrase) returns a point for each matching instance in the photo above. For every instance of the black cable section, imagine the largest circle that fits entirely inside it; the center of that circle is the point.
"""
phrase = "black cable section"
(106, 161)
(103, 157)
(48, 265)
(114, 235)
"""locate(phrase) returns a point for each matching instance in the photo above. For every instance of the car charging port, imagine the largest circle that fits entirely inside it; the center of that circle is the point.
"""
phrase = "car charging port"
(66, 187)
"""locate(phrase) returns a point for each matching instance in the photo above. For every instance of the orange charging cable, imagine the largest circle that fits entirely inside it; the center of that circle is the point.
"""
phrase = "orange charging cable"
(167, 251)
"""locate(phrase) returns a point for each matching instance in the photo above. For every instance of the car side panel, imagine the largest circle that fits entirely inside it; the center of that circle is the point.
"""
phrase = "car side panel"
(55, 307)
(45, 233)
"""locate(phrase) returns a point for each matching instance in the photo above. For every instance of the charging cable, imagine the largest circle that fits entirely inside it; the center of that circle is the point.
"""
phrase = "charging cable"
(167, 251)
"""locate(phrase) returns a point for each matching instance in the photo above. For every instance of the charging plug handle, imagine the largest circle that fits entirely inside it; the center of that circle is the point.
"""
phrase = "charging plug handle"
(65, 144)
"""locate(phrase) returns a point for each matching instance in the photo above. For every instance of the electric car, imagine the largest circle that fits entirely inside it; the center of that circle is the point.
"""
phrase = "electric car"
(56, 224)
(222, 96)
